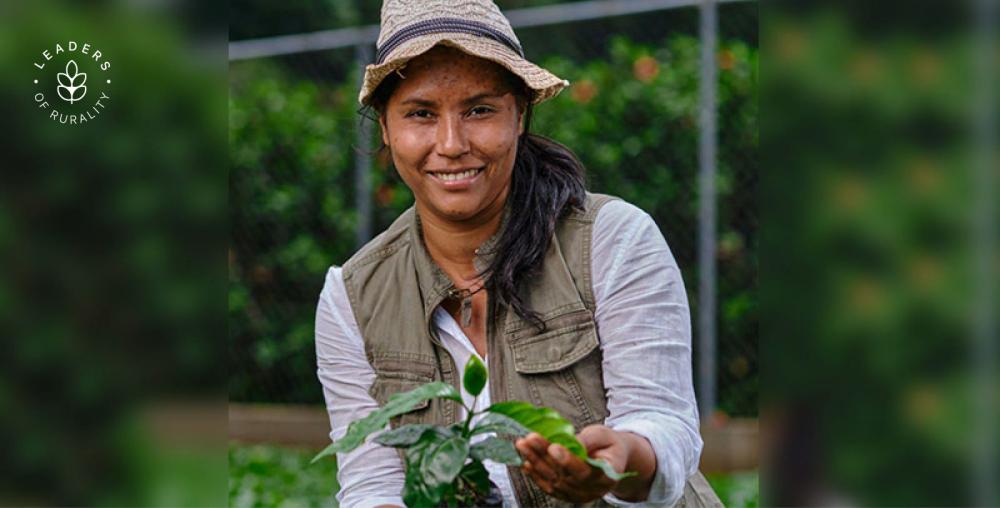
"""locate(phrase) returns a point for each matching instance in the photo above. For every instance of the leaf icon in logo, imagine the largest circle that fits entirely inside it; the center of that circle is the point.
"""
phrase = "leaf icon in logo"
(71, 83)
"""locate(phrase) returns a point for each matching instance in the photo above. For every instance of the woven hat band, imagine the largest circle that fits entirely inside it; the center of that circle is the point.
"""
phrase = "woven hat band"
(442, 25)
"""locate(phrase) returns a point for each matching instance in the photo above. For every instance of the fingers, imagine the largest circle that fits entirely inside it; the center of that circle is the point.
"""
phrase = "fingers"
(570, 464)
(599, 478)
(543, 482)
(578, 481)
(560, 473)
(605, 443)
(533, 449)
(595, 437)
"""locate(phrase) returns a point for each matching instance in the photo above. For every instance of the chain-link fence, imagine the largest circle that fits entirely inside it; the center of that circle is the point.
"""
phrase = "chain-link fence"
(306, 188)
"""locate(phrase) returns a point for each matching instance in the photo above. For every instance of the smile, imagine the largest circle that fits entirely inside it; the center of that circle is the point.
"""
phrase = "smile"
(457, 177)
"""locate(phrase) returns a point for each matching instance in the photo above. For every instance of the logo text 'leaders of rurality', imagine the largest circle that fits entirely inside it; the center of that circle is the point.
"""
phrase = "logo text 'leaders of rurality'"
(65, 70)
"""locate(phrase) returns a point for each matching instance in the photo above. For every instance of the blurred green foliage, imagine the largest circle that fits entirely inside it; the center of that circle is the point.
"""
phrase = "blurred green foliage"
(262, 476)
(869, 136)
(737, 490)
(631, 118)
(102, 311)
(292, 214)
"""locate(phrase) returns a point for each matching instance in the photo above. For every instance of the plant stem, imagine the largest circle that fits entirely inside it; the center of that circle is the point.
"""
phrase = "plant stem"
(468, 420)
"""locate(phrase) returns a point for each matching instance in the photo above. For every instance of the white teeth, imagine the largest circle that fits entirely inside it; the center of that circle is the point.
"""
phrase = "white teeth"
(451, 177)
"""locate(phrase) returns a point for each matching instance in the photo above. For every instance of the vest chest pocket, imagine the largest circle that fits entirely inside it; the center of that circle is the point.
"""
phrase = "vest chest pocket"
(561, 367)
(392, 376)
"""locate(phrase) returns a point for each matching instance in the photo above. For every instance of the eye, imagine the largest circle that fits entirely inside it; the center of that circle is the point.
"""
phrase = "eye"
(419, 113)
(481, 110)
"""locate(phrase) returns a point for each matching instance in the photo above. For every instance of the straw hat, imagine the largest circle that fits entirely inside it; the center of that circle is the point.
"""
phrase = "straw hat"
(411, 27)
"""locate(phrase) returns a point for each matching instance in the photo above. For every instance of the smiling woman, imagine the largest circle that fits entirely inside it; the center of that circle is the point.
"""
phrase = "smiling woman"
(452, 127)
(572, 299)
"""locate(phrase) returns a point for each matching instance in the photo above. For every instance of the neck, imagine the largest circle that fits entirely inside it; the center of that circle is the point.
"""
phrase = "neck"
(452, 245)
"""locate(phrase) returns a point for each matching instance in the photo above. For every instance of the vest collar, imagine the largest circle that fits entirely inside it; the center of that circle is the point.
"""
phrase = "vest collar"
(434, 283)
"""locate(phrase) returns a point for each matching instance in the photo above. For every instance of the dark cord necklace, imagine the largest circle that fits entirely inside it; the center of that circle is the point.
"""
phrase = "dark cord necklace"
(466, 296)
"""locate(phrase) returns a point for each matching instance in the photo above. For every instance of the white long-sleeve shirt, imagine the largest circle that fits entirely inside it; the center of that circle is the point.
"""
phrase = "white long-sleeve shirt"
(644, 326)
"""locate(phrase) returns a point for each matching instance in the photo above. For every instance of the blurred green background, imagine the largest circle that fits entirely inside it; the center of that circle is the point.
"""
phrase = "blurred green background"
(112, 261)
(880, 255)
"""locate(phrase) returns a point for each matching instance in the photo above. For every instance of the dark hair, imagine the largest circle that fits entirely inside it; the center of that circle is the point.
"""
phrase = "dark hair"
(548, 181)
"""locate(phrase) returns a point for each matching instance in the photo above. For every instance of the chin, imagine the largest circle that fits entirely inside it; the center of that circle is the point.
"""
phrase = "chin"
(458, 214)
(457, 211)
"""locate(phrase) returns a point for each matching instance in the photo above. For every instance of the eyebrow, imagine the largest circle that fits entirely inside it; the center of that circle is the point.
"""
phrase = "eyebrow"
(465, 102)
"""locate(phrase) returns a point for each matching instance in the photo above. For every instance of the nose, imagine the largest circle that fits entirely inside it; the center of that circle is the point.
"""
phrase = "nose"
(452, 140)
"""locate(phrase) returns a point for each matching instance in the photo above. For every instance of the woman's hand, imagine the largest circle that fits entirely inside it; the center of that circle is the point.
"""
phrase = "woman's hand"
(561, 474)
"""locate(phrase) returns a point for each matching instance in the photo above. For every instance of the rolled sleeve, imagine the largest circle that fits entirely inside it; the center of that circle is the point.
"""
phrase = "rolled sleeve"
(644, 323)
(670, 443)
(370, 474)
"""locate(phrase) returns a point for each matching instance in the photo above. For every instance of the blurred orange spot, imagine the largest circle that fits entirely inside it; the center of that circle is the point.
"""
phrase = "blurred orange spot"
(923, 403)
(646, 69)
(866, 66)
(726, 60)
(849, 193)
(718, 419)
(790, 44)
(384, 195)
(867, 295)
(583, 91)
(739, 367)
(923, 176)
(925, 272)
(925, 66)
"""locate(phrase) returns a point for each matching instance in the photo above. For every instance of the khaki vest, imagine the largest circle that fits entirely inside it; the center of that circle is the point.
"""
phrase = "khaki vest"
(394, 286)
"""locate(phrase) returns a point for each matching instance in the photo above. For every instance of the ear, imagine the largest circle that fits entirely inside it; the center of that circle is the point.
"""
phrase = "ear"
(385, 131)
(520, 121)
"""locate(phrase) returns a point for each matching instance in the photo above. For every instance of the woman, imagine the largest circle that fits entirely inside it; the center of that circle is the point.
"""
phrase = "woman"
(572, 299)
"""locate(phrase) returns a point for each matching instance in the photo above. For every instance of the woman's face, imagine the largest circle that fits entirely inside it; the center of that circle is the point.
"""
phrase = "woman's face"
(452, 126)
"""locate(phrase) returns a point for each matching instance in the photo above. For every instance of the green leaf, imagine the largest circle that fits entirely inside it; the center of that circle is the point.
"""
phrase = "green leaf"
(476, 475)
(569, 442)
(526, 413)
(546, 422)
(497, 450)
(404, 436)
(554, 428)
(443, 462)
(499, 423)
(414, 490)
(404, 402)
(416, 493)
(397, 404)
(549, 426)
(475, 376)
(607, 469)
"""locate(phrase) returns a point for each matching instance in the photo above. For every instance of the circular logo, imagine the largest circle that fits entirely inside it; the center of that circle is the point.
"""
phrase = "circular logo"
(72, 82)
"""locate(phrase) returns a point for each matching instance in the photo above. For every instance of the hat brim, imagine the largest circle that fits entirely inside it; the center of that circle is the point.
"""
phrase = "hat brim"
(543, 83)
